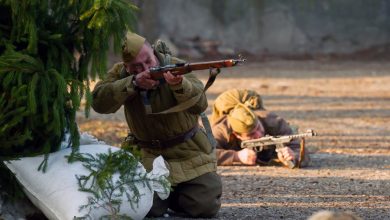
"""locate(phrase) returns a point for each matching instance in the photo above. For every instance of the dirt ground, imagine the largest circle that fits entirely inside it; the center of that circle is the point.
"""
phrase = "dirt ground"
(347, 103)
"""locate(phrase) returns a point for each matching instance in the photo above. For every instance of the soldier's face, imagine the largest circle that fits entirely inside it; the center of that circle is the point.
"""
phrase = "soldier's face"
(256, 132)
(144, 61)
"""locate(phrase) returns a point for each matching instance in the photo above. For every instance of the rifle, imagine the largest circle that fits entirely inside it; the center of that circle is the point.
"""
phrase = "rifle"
(183, 68)
(260, 143)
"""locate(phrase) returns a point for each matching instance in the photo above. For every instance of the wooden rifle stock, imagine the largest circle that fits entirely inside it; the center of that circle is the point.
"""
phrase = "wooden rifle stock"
(183, 68)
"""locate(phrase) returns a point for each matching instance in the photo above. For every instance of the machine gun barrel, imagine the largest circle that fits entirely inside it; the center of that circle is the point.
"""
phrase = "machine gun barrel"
(275, 140)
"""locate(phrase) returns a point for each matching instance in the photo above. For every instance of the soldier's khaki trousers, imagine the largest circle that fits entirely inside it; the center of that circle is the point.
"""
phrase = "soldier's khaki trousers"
(199, 197)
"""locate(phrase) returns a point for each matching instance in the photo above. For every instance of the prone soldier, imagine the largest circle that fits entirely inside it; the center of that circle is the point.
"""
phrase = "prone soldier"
(238, 115)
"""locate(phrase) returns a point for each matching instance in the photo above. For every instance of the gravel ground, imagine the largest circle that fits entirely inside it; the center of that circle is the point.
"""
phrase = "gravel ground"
(347, 103)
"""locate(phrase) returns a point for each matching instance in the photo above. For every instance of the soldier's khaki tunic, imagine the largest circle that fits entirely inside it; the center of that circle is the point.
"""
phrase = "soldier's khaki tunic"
(186, 160)
(228, 144)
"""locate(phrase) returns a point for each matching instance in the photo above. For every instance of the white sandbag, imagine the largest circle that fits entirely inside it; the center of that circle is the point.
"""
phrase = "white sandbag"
(56, 192)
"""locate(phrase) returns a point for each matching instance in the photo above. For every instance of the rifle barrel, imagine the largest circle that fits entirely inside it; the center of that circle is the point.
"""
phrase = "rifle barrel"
(214, 64)
(183, 68)
(308, 133)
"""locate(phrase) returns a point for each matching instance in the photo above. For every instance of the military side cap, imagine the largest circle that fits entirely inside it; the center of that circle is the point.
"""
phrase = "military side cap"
(242, 119)
(131, 46)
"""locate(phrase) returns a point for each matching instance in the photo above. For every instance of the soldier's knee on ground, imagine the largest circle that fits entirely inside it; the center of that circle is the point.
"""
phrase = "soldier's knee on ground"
(159, 207)
(156, 212)
(202, 198)
(202, 208)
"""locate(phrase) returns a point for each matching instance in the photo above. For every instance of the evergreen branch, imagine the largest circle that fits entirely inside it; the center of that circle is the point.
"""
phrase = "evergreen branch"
(8, 121)
(12, 130)
(38, 40)
(43, 92)
(88, 98)
(54, 125)
(12, 61)
(32, 105)
(43, 166)
(107, 193)
(17, 139)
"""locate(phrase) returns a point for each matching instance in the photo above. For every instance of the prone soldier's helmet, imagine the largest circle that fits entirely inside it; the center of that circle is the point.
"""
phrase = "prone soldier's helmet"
(242, 119)
(225, 102)
(131, 46)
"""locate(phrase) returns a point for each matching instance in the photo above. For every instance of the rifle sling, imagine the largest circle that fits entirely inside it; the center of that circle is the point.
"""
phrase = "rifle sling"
(209, 132)
(192, 101)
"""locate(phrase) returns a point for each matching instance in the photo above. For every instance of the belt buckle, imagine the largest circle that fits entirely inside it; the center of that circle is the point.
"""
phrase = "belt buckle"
(156, 143)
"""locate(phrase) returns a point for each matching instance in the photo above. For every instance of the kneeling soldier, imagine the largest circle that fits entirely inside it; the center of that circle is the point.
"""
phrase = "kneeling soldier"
(176, 136)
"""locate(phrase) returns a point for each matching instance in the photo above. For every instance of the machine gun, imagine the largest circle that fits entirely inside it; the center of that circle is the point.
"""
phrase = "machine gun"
(260, 143)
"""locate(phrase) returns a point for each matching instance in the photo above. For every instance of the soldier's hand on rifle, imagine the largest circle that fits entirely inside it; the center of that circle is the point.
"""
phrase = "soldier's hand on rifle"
(144, 80)
(245, 156)
(172, 79)
(286, 154)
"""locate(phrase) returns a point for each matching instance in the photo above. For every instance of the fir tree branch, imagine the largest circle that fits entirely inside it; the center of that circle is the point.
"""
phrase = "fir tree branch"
(106, 192)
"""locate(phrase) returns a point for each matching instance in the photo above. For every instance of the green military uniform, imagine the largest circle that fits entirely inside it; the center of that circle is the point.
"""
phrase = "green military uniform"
(187, 160)
(228, 144)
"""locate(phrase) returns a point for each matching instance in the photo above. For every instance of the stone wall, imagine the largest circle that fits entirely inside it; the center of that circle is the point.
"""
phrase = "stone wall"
(270, 26)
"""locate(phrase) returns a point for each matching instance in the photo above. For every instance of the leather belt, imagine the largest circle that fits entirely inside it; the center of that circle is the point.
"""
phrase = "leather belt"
(169, 142)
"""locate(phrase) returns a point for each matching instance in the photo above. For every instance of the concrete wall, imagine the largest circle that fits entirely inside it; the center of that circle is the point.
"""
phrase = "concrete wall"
(271, 26)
